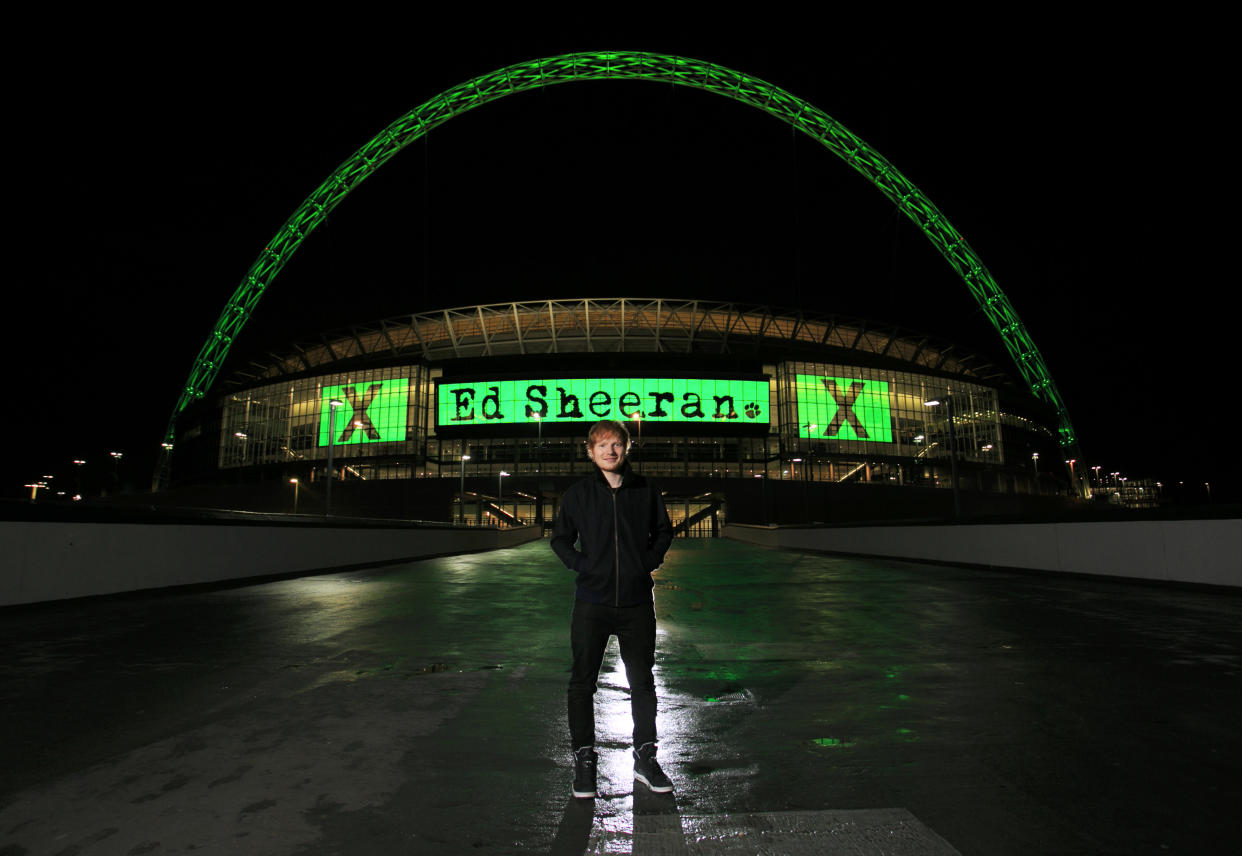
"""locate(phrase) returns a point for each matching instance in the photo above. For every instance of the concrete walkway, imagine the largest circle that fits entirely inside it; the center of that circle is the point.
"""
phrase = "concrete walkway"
(810, 704)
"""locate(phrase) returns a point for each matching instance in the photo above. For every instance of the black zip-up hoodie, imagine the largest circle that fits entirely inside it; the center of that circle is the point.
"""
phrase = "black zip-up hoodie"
(622, 533)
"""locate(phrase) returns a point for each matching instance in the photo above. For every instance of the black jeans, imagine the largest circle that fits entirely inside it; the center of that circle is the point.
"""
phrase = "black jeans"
(634, 627)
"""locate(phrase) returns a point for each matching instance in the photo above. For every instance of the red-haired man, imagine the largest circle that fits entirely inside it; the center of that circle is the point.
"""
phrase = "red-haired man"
(613, 531)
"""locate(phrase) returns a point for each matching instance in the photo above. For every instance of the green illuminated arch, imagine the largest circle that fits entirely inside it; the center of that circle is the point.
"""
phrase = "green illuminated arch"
(625, 65)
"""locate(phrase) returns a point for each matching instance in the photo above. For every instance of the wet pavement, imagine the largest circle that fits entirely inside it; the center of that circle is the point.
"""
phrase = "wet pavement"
(809, 704)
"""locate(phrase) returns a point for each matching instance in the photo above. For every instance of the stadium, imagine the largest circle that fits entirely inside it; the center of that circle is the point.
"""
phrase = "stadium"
(740, 412)
(743, 412)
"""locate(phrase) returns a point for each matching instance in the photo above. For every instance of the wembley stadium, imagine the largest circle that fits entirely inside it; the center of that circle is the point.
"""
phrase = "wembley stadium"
(740, 412)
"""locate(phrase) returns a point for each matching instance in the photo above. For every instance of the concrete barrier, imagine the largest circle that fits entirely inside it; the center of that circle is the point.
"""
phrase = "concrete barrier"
(42, 561)
(1189, 551)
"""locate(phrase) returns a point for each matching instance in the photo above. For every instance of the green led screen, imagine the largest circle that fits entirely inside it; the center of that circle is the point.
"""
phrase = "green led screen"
(695, 400)
(843, 408)
(370, 411)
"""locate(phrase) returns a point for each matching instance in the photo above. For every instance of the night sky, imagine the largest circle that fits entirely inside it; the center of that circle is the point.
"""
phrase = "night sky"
(1081, 172)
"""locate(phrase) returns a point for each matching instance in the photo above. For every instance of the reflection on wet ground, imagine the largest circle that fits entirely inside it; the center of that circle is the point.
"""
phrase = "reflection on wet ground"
(808, 704)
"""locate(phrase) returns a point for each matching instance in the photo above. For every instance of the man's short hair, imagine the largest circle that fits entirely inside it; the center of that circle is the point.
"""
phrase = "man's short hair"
(606, 427)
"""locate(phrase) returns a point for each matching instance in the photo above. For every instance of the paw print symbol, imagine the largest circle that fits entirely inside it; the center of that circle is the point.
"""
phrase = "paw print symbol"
(752, 411)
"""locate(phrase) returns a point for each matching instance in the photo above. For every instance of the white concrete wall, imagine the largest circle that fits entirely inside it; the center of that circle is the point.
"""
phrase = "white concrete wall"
(52, 561)
(1195, 551)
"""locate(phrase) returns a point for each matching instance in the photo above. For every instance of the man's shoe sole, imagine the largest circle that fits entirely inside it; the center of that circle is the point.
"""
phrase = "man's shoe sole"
(667, 789)
(585, 795)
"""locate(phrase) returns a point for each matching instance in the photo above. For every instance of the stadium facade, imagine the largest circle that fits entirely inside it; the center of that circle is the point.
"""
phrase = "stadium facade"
(715, 394)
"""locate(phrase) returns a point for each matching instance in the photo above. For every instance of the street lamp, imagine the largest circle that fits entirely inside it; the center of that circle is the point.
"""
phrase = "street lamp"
(78, 464)
(461, 496)
(637, 416)
(116, 469)
(333, 404)
(763, 494)
(957, 497)
(294, 482)
(811, 428)
(539, 447)
(500, 489)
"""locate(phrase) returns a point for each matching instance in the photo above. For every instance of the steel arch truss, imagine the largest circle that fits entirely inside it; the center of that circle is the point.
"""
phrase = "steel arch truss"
(626, 65)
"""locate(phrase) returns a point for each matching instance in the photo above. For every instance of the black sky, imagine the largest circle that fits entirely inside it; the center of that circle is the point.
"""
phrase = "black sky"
(1081, 171)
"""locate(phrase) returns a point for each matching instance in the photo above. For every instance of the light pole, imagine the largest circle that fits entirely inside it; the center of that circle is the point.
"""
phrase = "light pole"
(333, 404)
(637, 416)
(294, 482)
(1073, 483)
(1097, 476)
(461, 495)
(500, 489)
(957, 497)
(116, 470)
(811, 428)
(763, 496)
(539, 446)
(78, 464)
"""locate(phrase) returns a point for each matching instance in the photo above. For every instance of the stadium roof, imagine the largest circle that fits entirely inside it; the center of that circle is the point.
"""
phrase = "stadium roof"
(608, 325)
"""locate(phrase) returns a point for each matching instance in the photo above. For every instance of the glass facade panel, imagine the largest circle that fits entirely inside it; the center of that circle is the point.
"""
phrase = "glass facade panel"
(835, 409)
(825, 422)
(372, 413)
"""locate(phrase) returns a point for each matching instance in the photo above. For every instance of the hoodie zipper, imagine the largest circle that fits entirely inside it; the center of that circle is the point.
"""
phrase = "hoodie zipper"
(616, 545)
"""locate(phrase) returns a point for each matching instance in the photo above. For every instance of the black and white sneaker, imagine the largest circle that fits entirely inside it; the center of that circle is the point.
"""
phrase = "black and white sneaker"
(647, 770)
(584, 772)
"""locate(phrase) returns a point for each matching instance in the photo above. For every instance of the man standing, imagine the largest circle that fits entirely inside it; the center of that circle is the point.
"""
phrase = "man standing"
(618, 520)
